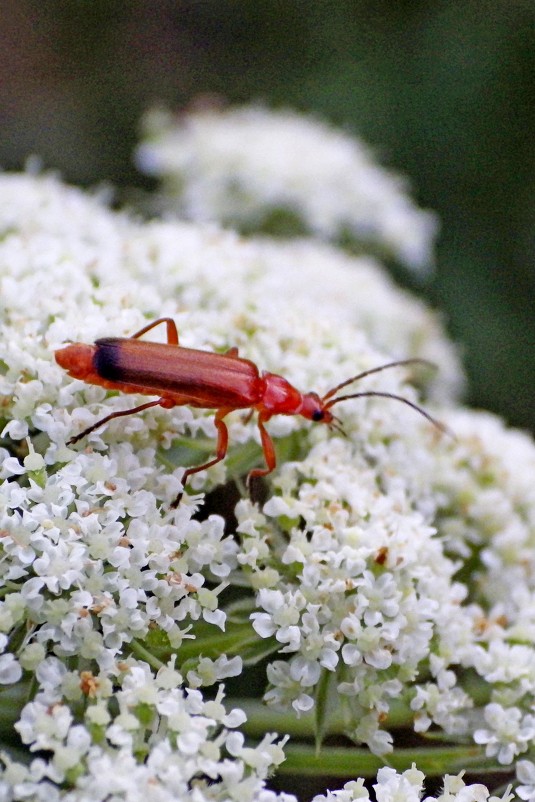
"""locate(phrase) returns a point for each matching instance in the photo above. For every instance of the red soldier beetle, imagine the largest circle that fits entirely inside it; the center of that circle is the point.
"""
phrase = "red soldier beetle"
(205, 380)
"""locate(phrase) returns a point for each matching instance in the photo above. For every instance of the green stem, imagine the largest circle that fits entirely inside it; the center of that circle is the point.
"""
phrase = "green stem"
(261, 719)
(301, 759)
(400, 715)
(436, 759)
(144, 654)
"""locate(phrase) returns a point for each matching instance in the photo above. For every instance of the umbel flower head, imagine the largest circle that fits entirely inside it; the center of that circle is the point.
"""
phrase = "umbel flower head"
(251, 167)
(384, 583)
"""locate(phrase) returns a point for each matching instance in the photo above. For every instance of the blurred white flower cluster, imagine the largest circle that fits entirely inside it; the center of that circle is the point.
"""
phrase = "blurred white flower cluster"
(243, 166)
(388, 573)
(408, 786)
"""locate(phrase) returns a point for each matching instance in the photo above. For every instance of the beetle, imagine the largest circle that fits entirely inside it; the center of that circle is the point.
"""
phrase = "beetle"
(206, 380)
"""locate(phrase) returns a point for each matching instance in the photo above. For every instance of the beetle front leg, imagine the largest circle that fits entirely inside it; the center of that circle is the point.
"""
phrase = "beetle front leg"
(268, 449)
(221, 451)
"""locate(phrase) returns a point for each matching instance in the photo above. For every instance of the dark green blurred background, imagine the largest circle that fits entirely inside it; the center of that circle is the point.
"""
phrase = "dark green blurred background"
(444, 91)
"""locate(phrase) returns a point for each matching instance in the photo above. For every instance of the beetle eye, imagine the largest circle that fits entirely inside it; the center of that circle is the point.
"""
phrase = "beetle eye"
(318, 415)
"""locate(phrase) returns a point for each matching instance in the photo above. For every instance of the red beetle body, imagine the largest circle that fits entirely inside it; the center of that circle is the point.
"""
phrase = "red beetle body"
(223, 382)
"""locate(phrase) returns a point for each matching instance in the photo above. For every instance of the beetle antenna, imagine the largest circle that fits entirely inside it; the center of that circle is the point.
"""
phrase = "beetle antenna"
(397, 363)
(337, 426)
(376, 393)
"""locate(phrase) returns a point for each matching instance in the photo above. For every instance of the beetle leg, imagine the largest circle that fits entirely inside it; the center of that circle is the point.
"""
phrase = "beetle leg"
(113, 415)
(221, 451)
(172, 332)
(248, 417)
(267, 447)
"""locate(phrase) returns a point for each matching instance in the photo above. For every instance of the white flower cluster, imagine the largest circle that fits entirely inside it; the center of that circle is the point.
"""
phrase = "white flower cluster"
(355, 581)
(239, 166)
(409, 787)
(351, 567)
(361, 586)
(190, 745)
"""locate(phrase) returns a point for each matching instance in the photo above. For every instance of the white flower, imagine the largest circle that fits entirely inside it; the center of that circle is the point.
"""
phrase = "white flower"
(442, 703)
(456, 790)
(353, 790)
(44, 726)
(10, 670)
(210, 671)
(286, 690)
(391, 786)
(525, 774)
(508, 733)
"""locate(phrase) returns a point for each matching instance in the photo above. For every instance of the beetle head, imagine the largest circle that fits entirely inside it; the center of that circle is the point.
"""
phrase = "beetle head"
(313, 408)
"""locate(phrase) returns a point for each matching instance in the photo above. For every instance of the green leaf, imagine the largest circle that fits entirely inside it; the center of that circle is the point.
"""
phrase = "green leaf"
(239, 638)
(239, 611)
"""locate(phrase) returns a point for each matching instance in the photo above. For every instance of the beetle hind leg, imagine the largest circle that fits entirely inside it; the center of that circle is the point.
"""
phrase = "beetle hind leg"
(113, 415)
(172, 331)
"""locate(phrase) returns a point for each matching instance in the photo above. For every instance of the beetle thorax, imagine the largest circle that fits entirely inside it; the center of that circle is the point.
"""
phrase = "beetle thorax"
(279, 396)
